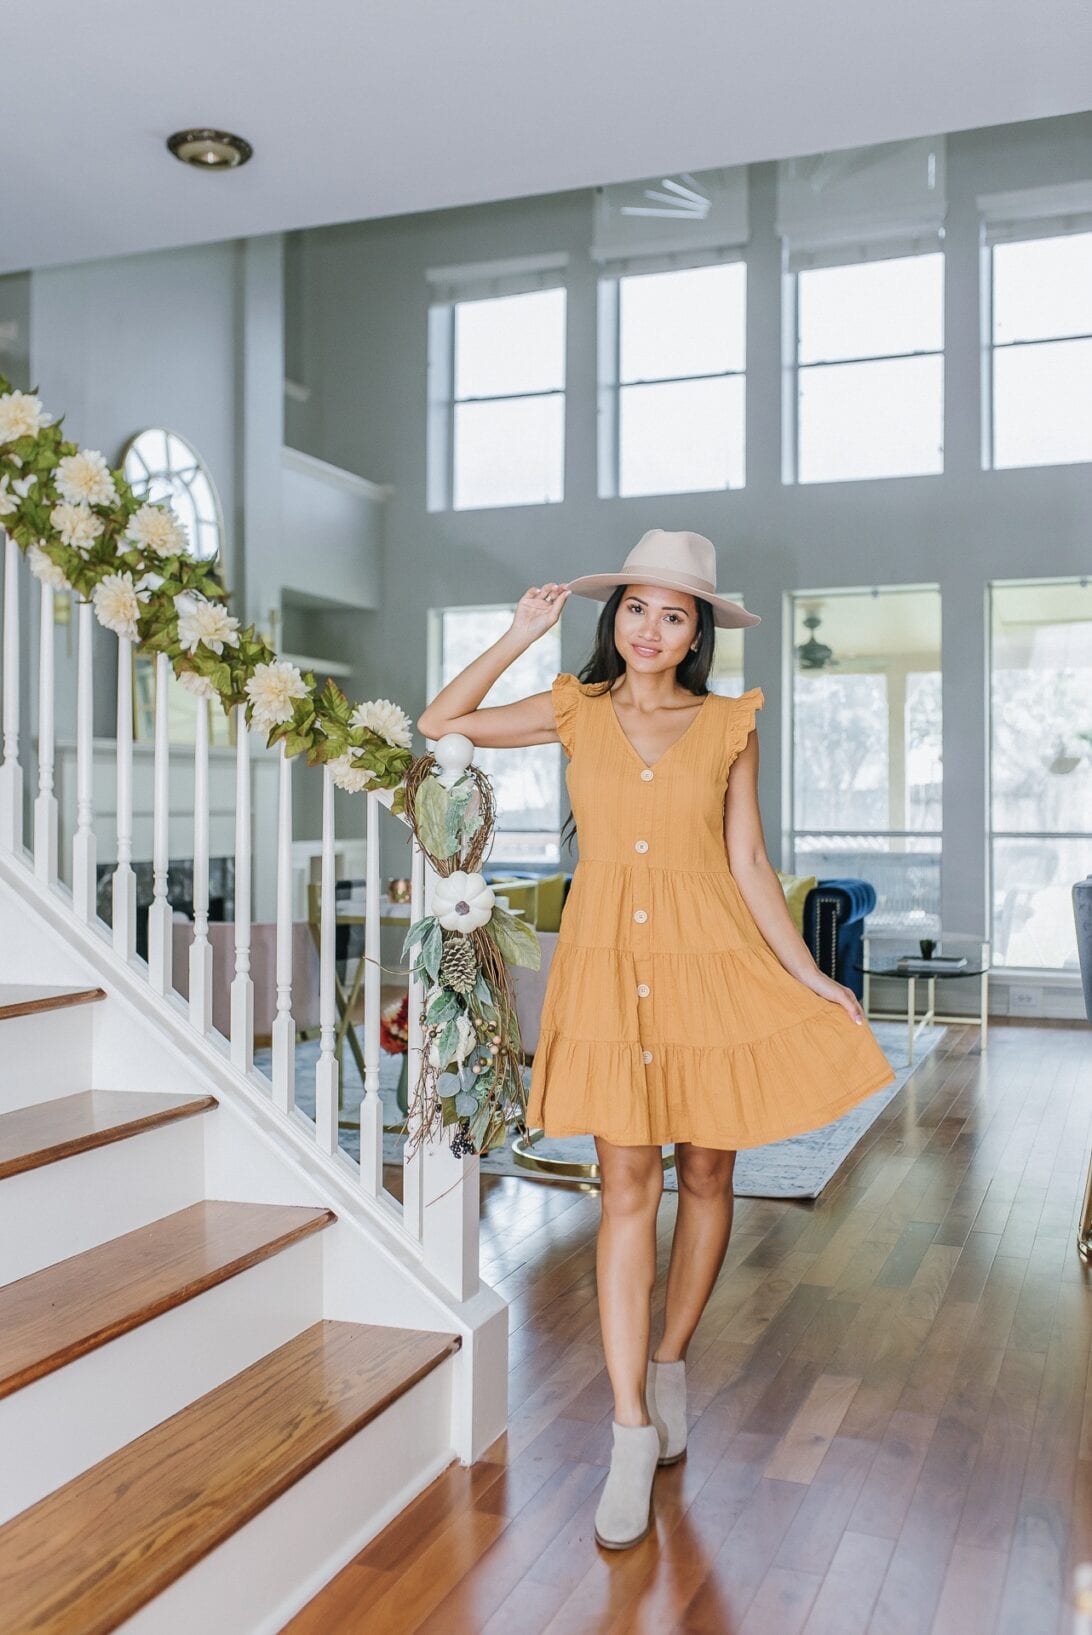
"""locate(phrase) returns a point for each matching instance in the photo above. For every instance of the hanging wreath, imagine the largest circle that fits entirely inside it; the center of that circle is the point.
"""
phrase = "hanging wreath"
(461, 952)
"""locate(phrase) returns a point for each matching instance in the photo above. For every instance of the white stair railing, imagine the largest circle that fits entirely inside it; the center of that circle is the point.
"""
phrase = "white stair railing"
(438, 1212)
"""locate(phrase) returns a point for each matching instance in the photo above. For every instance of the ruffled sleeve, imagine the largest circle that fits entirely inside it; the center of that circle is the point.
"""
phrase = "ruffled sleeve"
(566, 694)
(741, 722)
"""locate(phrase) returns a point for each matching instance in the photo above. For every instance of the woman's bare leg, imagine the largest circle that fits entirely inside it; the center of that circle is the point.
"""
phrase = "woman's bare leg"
(625, 1264)
(702, 1228)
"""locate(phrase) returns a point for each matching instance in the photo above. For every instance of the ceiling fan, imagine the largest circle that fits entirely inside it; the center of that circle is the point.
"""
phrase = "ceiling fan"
(814, 654)
(682, 199)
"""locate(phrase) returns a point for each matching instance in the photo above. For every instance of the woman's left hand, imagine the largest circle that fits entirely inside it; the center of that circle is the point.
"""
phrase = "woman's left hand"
(827, 988)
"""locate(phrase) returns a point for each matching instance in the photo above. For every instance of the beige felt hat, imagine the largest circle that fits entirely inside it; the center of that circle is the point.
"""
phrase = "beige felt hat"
(674, 561)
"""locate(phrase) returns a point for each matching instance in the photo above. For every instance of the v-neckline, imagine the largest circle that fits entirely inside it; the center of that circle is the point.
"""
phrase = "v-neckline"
(649, 766)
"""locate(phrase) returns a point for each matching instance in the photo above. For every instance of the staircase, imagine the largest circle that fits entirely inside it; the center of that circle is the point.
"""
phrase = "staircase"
(195, 1435)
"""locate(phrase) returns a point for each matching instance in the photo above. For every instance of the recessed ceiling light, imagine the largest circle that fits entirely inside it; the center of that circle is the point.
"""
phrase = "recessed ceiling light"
(210, 150)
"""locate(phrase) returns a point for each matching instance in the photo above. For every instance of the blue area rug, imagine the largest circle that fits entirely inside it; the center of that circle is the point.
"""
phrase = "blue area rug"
(797, 1168)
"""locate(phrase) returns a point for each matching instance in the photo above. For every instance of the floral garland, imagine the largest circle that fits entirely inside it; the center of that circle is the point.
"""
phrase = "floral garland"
(82, 529)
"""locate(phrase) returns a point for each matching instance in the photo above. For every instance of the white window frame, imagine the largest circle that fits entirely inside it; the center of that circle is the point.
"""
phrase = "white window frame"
(931, 243)
(448, 288)
(609, 354)
(1008, 218)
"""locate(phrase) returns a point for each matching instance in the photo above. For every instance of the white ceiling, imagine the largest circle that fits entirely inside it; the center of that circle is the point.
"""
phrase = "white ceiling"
(394, 106)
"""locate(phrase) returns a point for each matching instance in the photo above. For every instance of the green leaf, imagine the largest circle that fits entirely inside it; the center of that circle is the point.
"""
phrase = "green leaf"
(418, 929)
(443, 1006)
(515, 939)
(445, 1044)
(433, 951)
(431, 809)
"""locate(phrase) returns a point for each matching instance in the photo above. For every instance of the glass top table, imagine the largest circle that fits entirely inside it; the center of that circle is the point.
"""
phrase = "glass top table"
(872, 966)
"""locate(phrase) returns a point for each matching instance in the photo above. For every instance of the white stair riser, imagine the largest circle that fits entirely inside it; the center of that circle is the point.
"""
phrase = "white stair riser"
(61, 1425)
(273, 1566)
(60, 1209)
(45, 1055)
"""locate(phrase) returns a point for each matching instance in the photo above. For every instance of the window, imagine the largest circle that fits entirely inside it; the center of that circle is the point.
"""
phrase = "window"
(1040, 350)
(526, 781)
(496, 393)
(866, 746)
(672, 348)
(1040, 767)
(866, 341)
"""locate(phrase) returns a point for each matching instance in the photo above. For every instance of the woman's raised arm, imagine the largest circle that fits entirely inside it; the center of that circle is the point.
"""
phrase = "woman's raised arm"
(501, 726)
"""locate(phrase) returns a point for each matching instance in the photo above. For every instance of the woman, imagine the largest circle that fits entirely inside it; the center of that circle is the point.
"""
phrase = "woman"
(682, 1005)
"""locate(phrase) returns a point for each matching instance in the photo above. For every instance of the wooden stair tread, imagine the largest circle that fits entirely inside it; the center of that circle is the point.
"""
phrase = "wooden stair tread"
(91, 1554)
(53, 1316)
(21, 999)
(51, 1130)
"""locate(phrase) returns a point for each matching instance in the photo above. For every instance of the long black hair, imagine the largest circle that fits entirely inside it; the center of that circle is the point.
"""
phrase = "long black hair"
(606, 664)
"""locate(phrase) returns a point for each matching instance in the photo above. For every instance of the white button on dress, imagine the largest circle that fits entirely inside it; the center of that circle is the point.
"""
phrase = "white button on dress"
(640, 845)
(640, 915)
(647, 774)
(643, 989)
(646, 1055)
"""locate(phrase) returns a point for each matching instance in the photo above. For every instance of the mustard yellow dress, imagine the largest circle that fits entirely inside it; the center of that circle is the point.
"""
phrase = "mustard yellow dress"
(666, 1016)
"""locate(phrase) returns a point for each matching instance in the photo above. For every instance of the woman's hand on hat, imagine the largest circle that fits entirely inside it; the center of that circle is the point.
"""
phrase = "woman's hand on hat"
(538, 609)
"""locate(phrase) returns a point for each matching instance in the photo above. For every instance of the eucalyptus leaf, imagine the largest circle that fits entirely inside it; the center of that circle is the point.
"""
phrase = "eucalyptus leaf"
(445, 1044)
(418, 929)
(432, 951)
(431, 809)
(515, 939)
(444, 1006)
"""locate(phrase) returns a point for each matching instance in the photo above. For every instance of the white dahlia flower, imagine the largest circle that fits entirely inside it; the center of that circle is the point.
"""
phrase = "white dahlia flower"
(271, 690)
(385, 718)
(199, 686)
(77, 525)
(45, 570)
(117, 604)
(21, 416)
(200, 621)
(350, 777)
(84, 479)
(155, 528)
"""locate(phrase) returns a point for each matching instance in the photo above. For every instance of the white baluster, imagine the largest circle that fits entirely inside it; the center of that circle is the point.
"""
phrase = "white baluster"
(160, 930)
(11, 773)
(284, 1027)
(84, 845)
(45, 807)
(326, 1074)
(413, 1161)
(124, 883)
(371, 1107)
(242, 988)
(200, 947)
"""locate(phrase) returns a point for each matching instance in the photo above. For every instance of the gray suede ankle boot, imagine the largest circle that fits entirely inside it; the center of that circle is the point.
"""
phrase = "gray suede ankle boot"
(666, 1394)
(624, 1514)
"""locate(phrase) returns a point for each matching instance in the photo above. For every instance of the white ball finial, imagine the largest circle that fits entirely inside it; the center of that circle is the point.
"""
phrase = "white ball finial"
(454, 753)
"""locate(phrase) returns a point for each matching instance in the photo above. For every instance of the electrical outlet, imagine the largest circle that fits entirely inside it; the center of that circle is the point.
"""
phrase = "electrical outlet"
(1025, 1001)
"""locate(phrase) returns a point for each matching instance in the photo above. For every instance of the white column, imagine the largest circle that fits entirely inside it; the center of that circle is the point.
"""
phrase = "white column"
(200, 947)
(160, 932)
(284, 1027)
(45, 807)
(326, 1074)
(371, 1107)
(124, 883)
(11, 773)
(84, 848)
(242, 988)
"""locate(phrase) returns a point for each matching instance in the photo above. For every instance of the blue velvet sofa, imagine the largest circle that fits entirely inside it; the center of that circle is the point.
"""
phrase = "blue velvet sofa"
(834, 915)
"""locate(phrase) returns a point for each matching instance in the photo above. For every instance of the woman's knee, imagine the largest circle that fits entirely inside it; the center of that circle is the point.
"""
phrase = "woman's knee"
(632, 1180)
(704, 1172)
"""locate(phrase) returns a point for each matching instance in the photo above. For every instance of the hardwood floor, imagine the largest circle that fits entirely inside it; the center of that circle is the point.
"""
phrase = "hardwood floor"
(890, 1398)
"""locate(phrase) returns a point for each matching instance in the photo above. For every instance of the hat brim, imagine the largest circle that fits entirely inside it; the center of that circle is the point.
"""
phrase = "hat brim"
(727, 615)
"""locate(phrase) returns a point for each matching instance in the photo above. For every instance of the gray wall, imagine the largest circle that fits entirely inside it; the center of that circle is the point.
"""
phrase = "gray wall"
(356, 299)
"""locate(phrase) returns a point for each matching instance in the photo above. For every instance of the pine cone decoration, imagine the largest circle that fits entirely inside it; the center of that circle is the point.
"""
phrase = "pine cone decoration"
(458, 964)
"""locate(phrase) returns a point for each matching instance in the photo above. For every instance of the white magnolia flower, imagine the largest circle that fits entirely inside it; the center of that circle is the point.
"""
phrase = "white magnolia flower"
(117, 604)
(77, 524)
(200, 621)
(21, 416)
(271, 690)
(350, 777)
(199, 686)
(385, 718)
(155, 528)
(44, 569)
(84, 479)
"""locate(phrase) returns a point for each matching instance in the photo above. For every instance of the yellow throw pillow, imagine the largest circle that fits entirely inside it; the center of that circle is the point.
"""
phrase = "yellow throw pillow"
(796, 888)
(551, 893)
